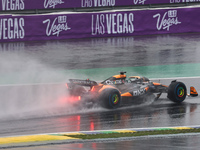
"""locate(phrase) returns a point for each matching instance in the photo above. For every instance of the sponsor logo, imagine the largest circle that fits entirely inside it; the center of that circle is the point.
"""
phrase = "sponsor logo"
(52, 3)
(97, 3)
(109, 82)
(58, 25)
(167, 20)
(12, 28)
(139, 92)
(13, 5)
(175, 1)
(77, 81)
(117, 23)
(136, 2)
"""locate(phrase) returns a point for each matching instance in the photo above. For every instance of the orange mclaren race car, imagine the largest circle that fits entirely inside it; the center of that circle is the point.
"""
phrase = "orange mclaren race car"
(118, 91)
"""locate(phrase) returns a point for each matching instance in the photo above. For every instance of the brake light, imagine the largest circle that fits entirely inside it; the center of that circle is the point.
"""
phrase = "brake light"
(73, 99)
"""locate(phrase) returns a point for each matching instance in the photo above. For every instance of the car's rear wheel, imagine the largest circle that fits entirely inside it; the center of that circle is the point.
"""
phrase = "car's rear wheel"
(110, 98)
(177, 92)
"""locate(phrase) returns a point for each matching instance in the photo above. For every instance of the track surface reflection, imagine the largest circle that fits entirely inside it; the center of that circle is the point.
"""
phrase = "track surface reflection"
(34, 109)
(64, 118)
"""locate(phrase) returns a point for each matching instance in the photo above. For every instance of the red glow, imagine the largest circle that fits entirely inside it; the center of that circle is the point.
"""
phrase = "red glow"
(74, 98)
(69, 99)
(78, 122)
(66, 85)
(94, 146)
(92, 89)
(63, 100)
(91, 126)
(80, 146)
(79, 118)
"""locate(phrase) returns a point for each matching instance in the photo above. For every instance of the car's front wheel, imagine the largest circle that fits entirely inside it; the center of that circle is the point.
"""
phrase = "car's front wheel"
(177, 92)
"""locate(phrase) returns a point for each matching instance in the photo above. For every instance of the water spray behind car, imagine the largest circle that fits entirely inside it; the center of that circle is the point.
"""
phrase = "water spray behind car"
(28, 89)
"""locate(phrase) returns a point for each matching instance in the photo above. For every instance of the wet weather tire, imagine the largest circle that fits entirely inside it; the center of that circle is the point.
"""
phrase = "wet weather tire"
(177, 92)
(110, 98)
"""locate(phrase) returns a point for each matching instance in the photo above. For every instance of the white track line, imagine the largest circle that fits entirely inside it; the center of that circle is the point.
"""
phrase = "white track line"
(175, 78)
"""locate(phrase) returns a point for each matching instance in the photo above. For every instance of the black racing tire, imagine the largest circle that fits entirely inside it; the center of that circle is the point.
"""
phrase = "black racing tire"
(177, 92)
(110, 98)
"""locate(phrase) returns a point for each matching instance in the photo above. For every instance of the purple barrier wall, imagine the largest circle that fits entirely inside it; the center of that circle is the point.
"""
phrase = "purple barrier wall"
(104, 24)
(6, 5)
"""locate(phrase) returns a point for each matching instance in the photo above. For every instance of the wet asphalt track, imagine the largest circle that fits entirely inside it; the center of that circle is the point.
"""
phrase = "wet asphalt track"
(33, 109)
(65, 118)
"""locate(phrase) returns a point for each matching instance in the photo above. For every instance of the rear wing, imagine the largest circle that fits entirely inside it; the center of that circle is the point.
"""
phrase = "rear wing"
(83, 82)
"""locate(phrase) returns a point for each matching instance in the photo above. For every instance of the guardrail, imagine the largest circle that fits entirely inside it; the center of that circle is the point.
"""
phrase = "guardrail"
(42, 6)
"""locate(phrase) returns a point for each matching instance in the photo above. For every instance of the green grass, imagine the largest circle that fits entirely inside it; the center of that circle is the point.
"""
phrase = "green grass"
(135, 134)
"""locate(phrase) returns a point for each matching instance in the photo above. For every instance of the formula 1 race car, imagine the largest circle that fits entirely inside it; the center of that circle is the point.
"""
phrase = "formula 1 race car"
(116, 91)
